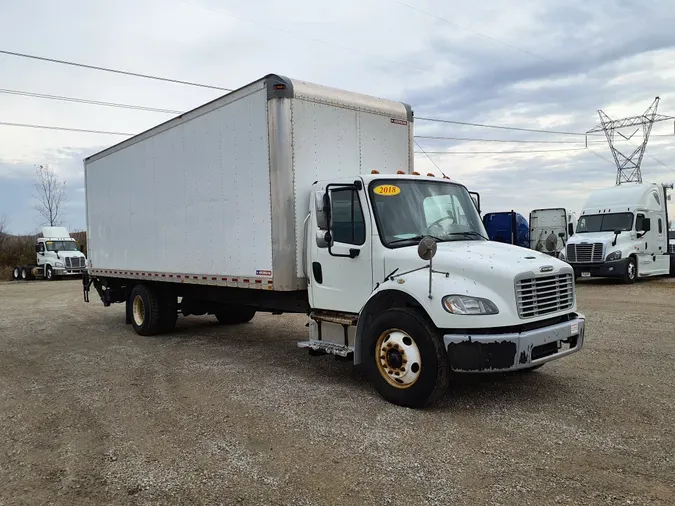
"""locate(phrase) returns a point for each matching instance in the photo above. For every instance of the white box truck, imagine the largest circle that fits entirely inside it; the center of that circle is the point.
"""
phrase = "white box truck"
(286, 196)
(56, 255)
(622, 233)
(550, 229)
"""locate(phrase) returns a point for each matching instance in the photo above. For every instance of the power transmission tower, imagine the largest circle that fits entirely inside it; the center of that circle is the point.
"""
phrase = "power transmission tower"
(628, 167)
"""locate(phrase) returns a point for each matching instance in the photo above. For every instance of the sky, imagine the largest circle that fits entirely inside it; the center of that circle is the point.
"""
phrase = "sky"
(520, 63)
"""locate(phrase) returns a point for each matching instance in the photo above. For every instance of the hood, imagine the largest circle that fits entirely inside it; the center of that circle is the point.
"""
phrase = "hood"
(476, 259)
(606, 238)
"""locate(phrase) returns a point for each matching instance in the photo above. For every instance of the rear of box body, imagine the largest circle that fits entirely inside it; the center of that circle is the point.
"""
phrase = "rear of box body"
(219, 195)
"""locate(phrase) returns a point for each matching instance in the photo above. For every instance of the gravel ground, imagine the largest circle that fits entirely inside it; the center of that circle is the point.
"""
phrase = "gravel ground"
(91, 413)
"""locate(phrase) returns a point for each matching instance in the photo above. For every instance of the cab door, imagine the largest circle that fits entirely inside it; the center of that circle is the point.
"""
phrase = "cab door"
(340, 270)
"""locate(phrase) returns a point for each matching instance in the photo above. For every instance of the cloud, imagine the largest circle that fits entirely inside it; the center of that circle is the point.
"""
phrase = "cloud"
(610, 55)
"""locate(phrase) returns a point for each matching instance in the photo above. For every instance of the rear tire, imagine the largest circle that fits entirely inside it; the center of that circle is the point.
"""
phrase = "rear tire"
(24, 273)
(630, 275)
(235, 315)
(168, 313)
(145, 310)
(16, 273)
(405, 358)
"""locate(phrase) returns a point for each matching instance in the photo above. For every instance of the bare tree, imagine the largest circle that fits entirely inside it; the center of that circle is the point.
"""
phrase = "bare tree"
(51, 196)
(3, 230)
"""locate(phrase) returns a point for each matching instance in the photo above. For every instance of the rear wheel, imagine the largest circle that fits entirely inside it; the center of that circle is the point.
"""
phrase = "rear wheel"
(16, 273)
(235, 315)
(24, 273)
(405, 358)
(168, 313)
(145, 311)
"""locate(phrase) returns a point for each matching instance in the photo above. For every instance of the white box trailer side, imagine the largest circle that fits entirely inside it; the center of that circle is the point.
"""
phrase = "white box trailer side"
(218, 195)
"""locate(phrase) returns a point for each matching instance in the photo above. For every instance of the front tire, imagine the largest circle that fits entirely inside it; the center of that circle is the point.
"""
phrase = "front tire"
(630, 275)
(49, 273)
(405, 358)
(145, 311)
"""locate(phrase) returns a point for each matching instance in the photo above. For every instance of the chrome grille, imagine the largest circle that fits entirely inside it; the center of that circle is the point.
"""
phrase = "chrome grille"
(585, 252)
(544, 295)
(671, 248)
(74, 262)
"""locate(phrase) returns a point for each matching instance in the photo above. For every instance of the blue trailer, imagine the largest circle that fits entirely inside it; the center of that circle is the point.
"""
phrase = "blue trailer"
(509, 227)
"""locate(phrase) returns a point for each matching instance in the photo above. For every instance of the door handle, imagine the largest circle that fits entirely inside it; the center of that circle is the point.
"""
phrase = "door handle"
(318, 273)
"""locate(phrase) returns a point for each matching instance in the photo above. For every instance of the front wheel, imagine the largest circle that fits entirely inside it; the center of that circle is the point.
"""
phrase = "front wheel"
(630, 275)
(405, 358)
(49, 273)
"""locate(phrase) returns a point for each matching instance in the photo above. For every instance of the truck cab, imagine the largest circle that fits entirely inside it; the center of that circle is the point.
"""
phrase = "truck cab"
(389, 254)
(622, 233)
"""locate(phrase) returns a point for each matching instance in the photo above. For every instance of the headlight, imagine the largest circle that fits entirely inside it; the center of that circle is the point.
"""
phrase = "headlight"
(58, 264)
(614, 255)
(464, 304)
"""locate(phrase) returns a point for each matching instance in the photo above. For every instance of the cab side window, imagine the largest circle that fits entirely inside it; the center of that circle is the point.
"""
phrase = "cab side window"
(348, 225)
(638, 222)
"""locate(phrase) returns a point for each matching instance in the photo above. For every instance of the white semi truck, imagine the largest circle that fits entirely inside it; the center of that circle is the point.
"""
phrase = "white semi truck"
(622, 232)
(57, 255)
(285, 196)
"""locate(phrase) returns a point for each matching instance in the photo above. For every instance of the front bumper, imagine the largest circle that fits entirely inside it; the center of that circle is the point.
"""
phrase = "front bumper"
(512, 351)
(614, 269)
(65, 271)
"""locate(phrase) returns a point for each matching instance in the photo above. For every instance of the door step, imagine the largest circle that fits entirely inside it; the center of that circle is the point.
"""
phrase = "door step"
(325, 347)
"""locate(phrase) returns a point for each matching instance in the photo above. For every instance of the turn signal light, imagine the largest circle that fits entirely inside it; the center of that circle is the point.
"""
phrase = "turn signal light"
(400, 172)
(415, 173)
(430, 174)
(374, 171)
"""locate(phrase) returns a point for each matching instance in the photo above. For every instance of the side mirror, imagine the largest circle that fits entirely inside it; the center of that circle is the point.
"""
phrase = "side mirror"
(37, 248)
(323, 239)
(320, 198)
(570, 229)
(646, 224)
(561, 235)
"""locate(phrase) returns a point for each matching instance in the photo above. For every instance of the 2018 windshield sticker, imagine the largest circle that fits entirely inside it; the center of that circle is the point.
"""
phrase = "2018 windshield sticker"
(387, 190)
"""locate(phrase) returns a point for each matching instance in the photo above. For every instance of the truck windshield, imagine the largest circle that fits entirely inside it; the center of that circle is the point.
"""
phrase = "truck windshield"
(407, 210)
(605, 222)
(61, 246)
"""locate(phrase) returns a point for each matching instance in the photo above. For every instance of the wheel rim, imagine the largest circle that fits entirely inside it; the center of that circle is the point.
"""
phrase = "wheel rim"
(398, 358)
(24, 274)
(17, 274)
(631, 270)
(139, 310)
(49, 273)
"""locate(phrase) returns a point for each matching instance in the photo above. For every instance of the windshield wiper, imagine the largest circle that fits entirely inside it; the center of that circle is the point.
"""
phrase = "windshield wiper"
(416, 238)
(469, 233)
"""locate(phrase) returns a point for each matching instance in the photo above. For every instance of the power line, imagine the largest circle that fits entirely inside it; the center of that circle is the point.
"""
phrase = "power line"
(49, 127)
(85, 101)
(500, 127)
(493, 39)
(114, 71)
(498, 152)
(525, 141)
